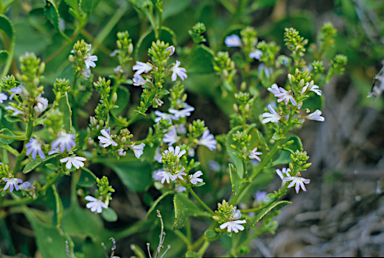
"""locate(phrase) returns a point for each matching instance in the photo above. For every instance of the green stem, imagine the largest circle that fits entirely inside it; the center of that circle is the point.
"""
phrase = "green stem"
(160, 19)
(20, 137)
(184, 238)
(9, 149)
(203, 248)
(22, 154)
(201, 202)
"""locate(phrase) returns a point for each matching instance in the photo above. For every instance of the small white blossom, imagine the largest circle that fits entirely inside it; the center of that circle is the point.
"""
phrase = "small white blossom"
(118, 69)
(41, 104)
(270, 117)
(256, 54)
(54, 151)
(285, 96)
(180, 189)
(34, 147)
(3, 97)
(208, 140)
(234, 226)
(158, 101)
(156, 176)
(16, 112)
(181, 113)
(179, 174)
(316, 116)
(181, 129)
(19, 90)
(253, 154)
(191, 152)
(314, 88)
(138, 149)
(175, 151)
(65, 140)
(161, 115)
(178, 71)
(77, 162)
(172, 49)
(90, 61)
(165, 176)
(171, 136)
(232, 41)
(114, 52)
(283, 171)
(158, 156)
(13, 182)
(141, 67)
(25, 186)
(298, 181)
(86, 73)
(274, 89)
(106, 140)
(95, 204)
(194, 179)
(138, 80)
(236, 214)
(121, 152)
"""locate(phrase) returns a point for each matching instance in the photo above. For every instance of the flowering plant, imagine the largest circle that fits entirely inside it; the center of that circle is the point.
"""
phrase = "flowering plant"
(52, 141)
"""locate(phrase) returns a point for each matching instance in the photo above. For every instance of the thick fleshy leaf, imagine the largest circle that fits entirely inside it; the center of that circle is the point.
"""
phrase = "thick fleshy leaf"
(285, 155)
(6, 132)
(58, 213)
(109, 215)
(33, 164)
(52, 14)
(202, 61)
(87, 178)
(3, 57)
(65, 108)
(184, 208)
(89, 5)
(269, 208)
(235, 180)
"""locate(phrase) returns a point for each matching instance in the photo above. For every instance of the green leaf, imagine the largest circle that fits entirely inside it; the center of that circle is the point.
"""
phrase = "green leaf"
(52, 14)
(6, 132)
(87, 178)
(153, 206)
(109, 215)
(269, 208)
(65, 108)
(202, 60)
(59, 211)
(84, 96)
(12, 119)
(72, 3)
(3, 57)
(173, 7)
(285, 155)
(145, 41)
(33, 164)
(183, 209)
(262, 139)
(122, 100)
(134, 174)
(235, 180)
(236, 161)
(89, 5)
(191, 254)
(313, 102)
(7, 27)
(141, 3)
(210, 233)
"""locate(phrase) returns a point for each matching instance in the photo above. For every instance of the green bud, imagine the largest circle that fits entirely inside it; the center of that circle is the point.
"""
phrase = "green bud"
(291, 166)
(307, 165)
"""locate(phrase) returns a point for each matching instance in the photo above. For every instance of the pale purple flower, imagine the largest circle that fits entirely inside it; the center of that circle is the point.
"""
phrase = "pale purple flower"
(3, 97)
(178, 71)
(256, 54)
(106, 139)
(77, 162)
(274, 89)
(138, 80)
(181, 129)
(114, 52)
(13, 182)
(179, 174)
(138, 149)
(118, 69)
(214, 165)
(122, 152)
(175, 151)
(270, 117)
(158, 156)
(180, 189)
(181, 113)
(165, 176)
(54, 151)
(208, 140)
(314, 88)
(191, 152)
(285, 96)
(95, 204)
(65, 140)
(25, 186)
(253, 154)
(41, 104)
(283, 171)
(141, 67)
(16, 112)
(19, 90)
(171, 48)
(268, 71)
(161, 115)
(90, 61)
(194, 179)
(86, 73)
(232, 41)
(316, 116)
(260, 197)
(156, 176)
(234, 226)
(298, 181)
(158, 101)
(236, 214)
(171, 136)
(34, 147)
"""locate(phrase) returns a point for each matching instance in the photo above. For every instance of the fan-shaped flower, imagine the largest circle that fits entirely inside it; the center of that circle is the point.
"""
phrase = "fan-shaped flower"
(34, 147)
(95, 204)
(208, 140)
(232, 41)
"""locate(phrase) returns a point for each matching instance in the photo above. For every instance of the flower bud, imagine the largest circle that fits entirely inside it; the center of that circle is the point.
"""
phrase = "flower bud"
(114, 97)
(118, 44)
(291, 166)
(301, 84)
(71, 59)
(247, 108)
(93, 120)
(307, 165)
(235, 108)
(36, 82)
(123, 140)
(300, 105)
(42, 67)
(130, 48)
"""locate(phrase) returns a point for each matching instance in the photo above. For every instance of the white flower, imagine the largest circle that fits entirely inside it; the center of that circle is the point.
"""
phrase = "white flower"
(114, 52)
(171, 136)
(180, 189)
(95, 204)
(41, 104)
(158, 156)
(77, 162)
(314, 88)
(181, 113)
(270, 117)
(232, 41)
(274, 89)
(179, 174)
(13, 182)
(107, 139)
(170, 48)
(298, 181)
(236, 214)
(34, 147)
(260, 197)
(118, 69)
(161, 115)
(141, 67)
(281, 173)
(285, 96)
(86, 73)
(65, 140)
(156, 176)
(316, 116)
(253, 154)
(138, 80)
(3, 97)
(25, 186)
(20, 90)
(194, 179)
(175, 151)
(90, 61)
(178, 71)
(138, 149)
(181, 129)
(208, 140)
(165, 176)
(268, 71)
(256, 54)
(53, 151)
(158, 101)
(122, 152)
(191, 152)
(233, 225)
(16, 112)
